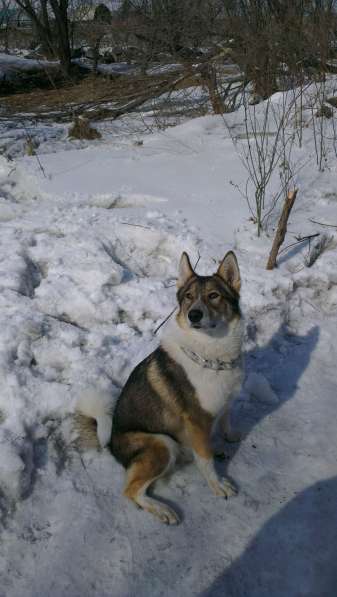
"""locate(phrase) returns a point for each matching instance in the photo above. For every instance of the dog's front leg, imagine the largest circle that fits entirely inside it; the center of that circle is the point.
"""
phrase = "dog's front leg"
(224, 426)
(199, 439)
(228, 433)
(222, 431)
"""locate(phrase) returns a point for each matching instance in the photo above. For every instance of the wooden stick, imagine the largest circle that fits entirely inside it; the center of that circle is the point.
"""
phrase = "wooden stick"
(281, 228)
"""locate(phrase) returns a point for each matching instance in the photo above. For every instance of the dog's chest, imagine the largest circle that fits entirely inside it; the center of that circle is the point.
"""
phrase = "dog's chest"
(213, 388)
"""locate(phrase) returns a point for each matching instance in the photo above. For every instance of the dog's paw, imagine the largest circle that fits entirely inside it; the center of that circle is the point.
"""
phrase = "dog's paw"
(221, 455)
(224, 488)
(164, 513)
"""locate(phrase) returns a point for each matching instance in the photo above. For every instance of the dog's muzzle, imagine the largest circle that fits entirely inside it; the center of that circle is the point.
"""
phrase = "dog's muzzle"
(195, 315)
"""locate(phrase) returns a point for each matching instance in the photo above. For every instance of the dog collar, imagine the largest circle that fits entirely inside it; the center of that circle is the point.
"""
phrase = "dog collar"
(215, 364)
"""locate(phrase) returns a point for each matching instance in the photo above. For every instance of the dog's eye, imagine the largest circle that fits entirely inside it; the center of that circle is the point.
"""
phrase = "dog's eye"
(213, 295)
(189, 296)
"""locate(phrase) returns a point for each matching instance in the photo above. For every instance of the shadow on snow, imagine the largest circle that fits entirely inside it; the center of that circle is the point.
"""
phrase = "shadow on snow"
(293, 555)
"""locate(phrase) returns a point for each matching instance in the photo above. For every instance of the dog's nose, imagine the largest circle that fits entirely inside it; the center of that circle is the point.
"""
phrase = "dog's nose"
(195, 315)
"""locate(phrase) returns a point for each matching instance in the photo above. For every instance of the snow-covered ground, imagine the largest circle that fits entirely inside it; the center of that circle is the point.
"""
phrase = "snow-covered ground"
(90, 244)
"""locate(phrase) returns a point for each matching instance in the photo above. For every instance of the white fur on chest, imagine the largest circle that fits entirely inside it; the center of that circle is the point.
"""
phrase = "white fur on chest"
(213, 388)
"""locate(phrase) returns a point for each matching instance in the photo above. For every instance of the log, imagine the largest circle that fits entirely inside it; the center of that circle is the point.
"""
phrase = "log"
(281, 228)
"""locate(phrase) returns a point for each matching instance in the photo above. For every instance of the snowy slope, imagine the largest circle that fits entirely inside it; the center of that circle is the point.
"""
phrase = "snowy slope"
(89, 253)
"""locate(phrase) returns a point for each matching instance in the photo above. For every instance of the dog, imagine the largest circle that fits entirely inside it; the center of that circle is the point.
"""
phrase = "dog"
(180, 395)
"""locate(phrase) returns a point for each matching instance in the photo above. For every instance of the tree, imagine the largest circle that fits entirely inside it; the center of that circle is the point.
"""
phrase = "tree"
(172, 25)
(275, 40)
(50, 18)
(100, 26)
(5, 21)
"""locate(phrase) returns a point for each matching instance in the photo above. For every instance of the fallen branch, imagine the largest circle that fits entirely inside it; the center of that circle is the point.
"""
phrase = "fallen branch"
(112, 104)
(318, 248)
(281, 229)
(298, 241)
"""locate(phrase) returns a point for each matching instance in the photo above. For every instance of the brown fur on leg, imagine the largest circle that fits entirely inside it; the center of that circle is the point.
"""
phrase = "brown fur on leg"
(154, 456)
(199, 437)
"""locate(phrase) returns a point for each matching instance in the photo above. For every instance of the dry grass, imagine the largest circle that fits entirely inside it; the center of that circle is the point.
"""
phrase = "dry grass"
(81, 129)
(92, 91)
(98, 96)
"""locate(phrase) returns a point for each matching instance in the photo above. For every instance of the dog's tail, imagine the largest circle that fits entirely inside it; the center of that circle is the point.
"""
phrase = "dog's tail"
(94, 410)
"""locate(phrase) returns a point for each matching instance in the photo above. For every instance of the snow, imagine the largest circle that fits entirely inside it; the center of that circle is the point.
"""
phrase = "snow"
(11, 65)
(89, 252)
(116, 68)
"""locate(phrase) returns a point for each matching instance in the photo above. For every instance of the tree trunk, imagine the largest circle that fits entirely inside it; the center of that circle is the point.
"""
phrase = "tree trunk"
(281, 228)
(56, 42)
(60, 10)
(210, 80)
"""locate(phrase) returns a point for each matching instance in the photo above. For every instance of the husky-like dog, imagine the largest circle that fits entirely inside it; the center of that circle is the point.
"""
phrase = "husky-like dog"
(179, 396)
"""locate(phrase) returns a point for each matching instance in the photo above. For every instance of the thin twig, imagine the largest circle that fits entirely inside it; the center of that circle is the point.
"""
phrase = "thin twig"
(308, 237)
(66, 321)
(30, 140)
(197, 261)
(136, 225)
(298, 241)
(165, 320)
(322, 224)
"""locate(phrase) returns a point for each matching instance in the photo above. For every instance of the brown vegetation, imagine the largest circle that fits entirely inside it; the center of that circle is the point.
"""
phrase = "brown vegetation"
(82, 129)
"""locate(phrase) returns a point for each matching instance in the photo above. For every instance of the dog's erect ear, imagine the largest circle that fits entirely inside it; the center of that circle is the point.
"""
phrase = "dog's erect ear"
(229, 271)
(185, 270)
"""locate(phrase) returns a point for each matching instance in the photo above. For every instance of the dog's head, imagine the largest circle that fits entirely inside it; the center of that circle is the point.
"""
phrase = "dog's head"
(208, 303)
